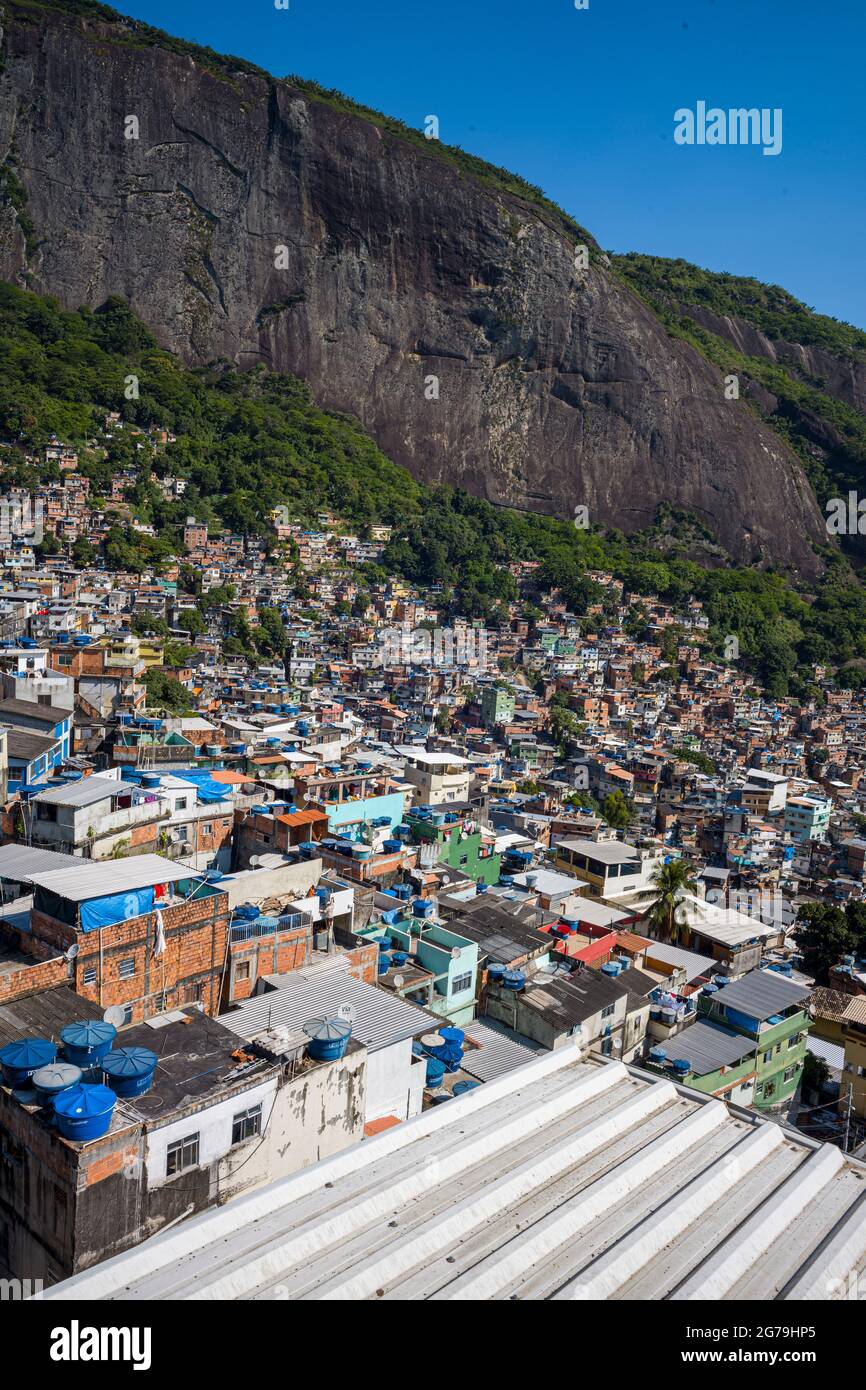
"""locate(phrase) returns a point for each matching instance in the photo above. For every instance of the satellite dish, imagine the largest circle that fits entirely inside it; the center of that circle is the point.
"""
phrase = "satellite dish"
(455, 952)
(115, 1014)
(255, 861)
(71, 952)
(398, 982)
(346, 1012)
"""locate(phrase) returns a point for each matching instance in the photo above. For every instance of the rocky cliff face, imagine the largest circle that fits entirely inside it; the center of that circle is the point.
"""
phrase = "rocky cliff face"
(249, 221)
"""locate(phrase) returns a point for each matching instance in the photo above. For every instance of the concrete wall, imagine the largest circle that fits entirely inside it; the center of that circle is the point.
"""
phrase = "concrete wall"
(392, 1083)
(256, 884)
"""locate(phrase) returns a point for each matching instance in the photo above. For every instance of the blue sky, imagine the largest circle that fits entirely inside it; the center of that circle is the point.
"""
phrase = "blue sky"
(583, 102)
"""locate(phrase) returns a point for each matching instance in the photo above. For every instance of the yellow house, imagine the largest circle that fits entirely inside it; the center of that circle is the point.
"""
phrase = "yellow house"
(854, 1071)
(151, 651)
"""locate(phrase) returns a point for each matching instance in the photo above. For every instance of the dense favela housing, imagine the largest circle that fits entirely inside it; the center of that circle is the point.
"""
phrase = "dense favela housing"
(321, 896)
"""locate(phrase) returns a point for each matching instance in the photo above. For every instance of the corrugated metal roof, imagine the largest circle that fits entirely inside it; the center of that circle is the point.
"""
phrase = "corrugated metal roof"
(381, 1018)
(829, 1052)
(561, 1180)
(690, 961)
(762, 993)
(99, 878)
(499, 1050)
(19, 861)
(708, 1047)
(83, 793)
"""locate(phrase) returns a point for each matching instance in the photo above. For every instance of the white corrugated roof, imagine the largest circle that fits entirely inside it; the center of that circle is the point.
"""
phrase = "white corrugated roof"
(83, 793)
(561, 1180)
(18, 862)
(381, 1018)
(99, 878)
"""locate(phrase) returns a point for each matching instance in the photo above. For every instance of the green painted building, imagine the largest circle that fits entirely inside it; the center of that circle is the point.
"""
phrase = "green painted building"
(770, 1010)
(497, 705)
(708, 1058)
(459, 841)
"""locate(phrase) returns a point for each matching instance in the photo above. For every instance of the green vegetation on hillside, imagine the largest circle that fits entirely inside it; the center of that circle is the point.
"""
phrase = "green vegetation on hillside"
(803, 412)
(770, 308)
(247, 442)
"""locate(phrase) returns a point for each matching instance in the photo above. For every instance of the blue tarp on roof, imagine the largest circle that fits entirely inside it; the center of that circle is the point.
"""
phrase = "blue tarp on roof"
(118, 907)
(206, 788)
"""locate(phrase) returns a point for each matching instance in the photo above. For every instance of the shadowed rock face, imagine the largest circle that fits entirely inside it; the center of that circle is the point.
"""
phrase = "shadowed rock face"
(556, 387)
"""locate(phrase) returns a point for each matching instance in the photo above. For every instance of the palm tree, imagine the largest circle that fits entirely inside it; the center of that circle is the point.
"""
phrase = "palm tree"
(670, 882)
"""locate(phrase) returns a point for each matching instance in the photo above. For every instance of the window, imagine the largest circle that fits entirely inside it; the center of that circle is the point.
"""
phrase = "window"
(183, 1153)
(127, 1013)
(126, 969)
(789, 1074)
(207, 828)
(461, 982)
(242, 970)
(609, 1011)
(792, 1042)
(247, 1125)
(768, 1056)
(90, 975)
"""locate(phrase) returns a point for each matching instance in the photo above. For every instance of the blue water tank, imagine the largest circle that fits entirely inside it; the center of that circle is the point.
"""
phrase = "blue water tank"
(399, 958)
(682, 1066)
(440, 1097)
(495, 974)
(462, 1087)
(514, 979)
(383, 965)
(422, 907)
(329, 1038)
(435, 1071)
(657, 1055)
(85, 1044)
(150, 781)
(51, 1080)
(84, 1112)
(21, 1059)
(129, 1070)
(610, 967)
(247, 912)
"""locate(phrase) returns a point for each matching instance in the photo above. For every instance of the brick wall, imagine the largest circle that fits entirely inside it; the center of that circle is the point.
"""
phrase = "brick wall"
(46, 969)
(265, 955)
(116, 965)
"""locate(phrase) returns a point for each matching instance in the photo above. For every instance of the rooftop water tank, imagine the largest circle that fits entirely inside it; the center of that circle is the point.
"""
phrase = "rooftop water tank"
(495, 974)
(84, 1112)
(383, 965)
(462, 1087)
(514, 979)
(435, 1071)
(150, 781)
(51, 1080)
(129, 1070)
(682, 1066)
(329, 1038)
(399, 958)
(85, 1044)
(610, 967)
(21, 1059)
(657, 1055)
